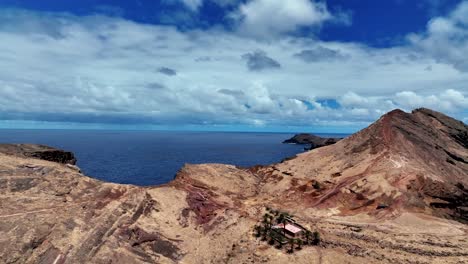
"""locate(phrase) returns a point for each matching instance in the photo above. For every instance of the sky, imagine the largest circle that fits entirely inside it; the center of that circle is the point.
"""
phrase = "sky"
(229, 65)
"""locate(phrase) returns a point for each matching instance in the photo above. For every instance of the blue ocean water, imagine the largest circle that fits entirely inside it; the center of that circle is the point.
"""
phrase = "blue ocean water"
(154, 157)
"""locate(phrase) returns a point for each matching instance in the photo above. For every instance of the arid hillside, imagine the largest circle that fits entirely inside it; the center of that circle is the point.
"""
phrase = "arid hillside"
(403, 162)
(395, 192)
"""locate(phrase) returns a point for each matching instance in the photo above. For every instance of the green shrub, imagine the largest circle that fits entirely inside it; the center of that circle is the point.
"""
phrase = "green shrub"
(316, 185)
(258, 231)
(291, 244)
(299, 243)
(315, 238)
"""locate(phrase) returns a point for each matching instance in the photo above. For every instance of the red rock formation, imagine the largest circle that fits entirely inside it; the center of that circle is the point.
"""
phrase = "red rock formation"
(407, 161)
(381, 195)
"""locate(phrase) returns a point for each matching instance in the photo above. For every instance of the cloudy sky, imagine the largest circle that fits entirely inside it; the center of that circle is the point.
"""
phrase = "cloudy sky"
(248, 65)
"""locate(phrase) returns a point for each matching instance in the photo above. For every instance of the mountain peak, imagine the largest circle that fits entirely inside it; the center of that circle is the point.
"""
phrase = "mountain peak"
(394, 112)
(408, 161)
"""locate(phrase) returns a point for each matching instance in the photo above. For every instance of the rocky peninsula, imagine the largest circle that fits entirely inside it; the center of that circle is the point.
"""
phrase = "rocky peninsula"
(312, 140)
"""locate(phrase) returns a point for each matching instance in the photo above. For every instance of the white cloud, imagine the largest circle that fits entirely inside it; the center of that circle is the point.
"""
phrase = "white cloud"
(448, 101)
(193, 4)
(351, 99)
(264, 18)
(103, 69)
(360, 112)
(446, 38)
(460, 14)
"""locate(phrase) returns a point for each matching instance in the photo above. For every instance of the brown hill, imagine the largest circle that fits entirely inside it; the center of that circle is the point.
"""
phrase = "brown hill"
(387, 194)
(403, 161)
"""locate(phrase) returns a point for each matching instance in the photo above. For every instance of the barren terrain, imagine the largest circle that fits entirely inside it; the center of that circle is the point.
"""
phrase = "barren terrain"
(395, 192)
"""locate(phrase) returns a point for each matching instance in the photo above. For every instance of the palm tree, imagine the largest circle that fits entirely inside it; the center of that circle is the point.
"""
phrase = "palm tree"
(280, 245)
(271, 241)
(307, 236)
(264, 234)
(316, 185)
(280, 218)
(286, 214)
(299, 243)
(316, 238)
(284, 226)
(267, 221)
(269, 216)
(258, 231)
(291, 243)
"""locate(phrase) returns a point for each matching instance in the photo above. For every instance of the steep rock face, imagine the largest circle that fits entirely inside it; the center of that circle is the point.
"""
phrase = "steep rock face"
(379, 196)
(40, 152)
(312, 140)
(405, 161)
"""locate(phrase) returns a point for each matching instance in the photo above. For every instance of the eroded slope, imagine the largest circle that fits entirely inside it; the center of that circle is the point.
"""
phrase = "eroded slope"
(388, 194)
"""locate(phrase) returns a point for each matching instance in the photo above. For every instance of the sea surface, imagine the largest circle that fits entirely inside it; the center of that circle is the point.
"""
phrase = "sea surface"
(154, 157)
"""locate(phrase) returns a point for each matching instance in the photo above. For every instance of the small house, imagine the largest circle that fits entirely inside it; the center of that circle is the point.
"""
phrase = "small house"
(290, 229)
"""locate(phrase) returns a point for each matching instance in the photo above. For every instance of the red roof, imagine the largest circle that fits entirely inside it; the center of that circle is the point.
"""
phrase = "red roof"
(291, 228)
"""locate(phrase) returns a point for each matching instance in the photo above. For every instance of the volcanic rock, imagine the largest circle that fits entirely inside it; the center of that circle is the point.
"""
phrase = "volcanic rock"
(40, 152)
(413, 163)
(312, 140)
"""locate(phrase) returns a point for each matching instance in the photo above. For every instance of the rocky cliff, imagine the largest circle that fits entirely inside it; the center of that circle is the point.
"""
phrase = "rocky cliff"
(39, 151)
(394, 192)
(312, 140)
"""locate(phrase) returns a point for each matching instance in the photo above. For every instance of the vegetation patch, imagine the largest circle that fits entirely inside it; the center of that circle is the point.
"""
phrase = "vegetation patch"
(281, 230)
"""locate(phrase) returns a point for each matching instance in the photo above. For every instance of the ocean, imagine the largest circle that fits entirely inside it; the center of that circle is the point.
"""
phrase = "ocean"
(153, 157)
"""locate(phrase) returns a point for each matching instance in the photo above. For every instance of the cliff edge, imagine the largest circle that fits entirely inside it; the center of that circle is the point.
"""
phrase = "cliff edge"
(312, 140)
(394, 192)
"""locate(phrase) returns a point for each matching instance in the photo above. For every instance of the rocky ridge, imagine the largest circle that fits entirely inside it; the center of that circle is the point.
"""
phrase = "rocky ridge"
(394, 192)
(39, 152)
(312, 140)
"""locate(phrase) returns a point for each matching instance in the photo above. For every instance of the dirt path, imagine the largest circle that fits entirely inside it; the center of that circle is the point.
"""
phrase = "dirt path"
(32, 212)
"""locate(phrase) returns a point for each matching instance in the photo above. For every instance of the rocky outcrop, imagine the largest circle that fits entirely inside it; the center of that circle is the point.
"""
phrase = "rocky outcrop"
(387, 194)
(40, 152)
(408, 161)
(312, 140)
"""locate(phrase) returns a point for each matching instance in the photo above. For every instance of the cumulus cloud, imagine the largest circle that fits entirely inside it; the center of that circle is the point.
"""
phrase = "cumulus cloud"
(351, 99)
(264, 18)
(102, 69)
(259, 61)
(446, 38)
(447, 101)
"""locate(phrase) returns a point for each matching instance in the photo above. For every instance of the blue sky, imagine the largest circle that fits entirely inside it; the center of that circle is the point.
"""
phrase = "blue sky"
(252, 65)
